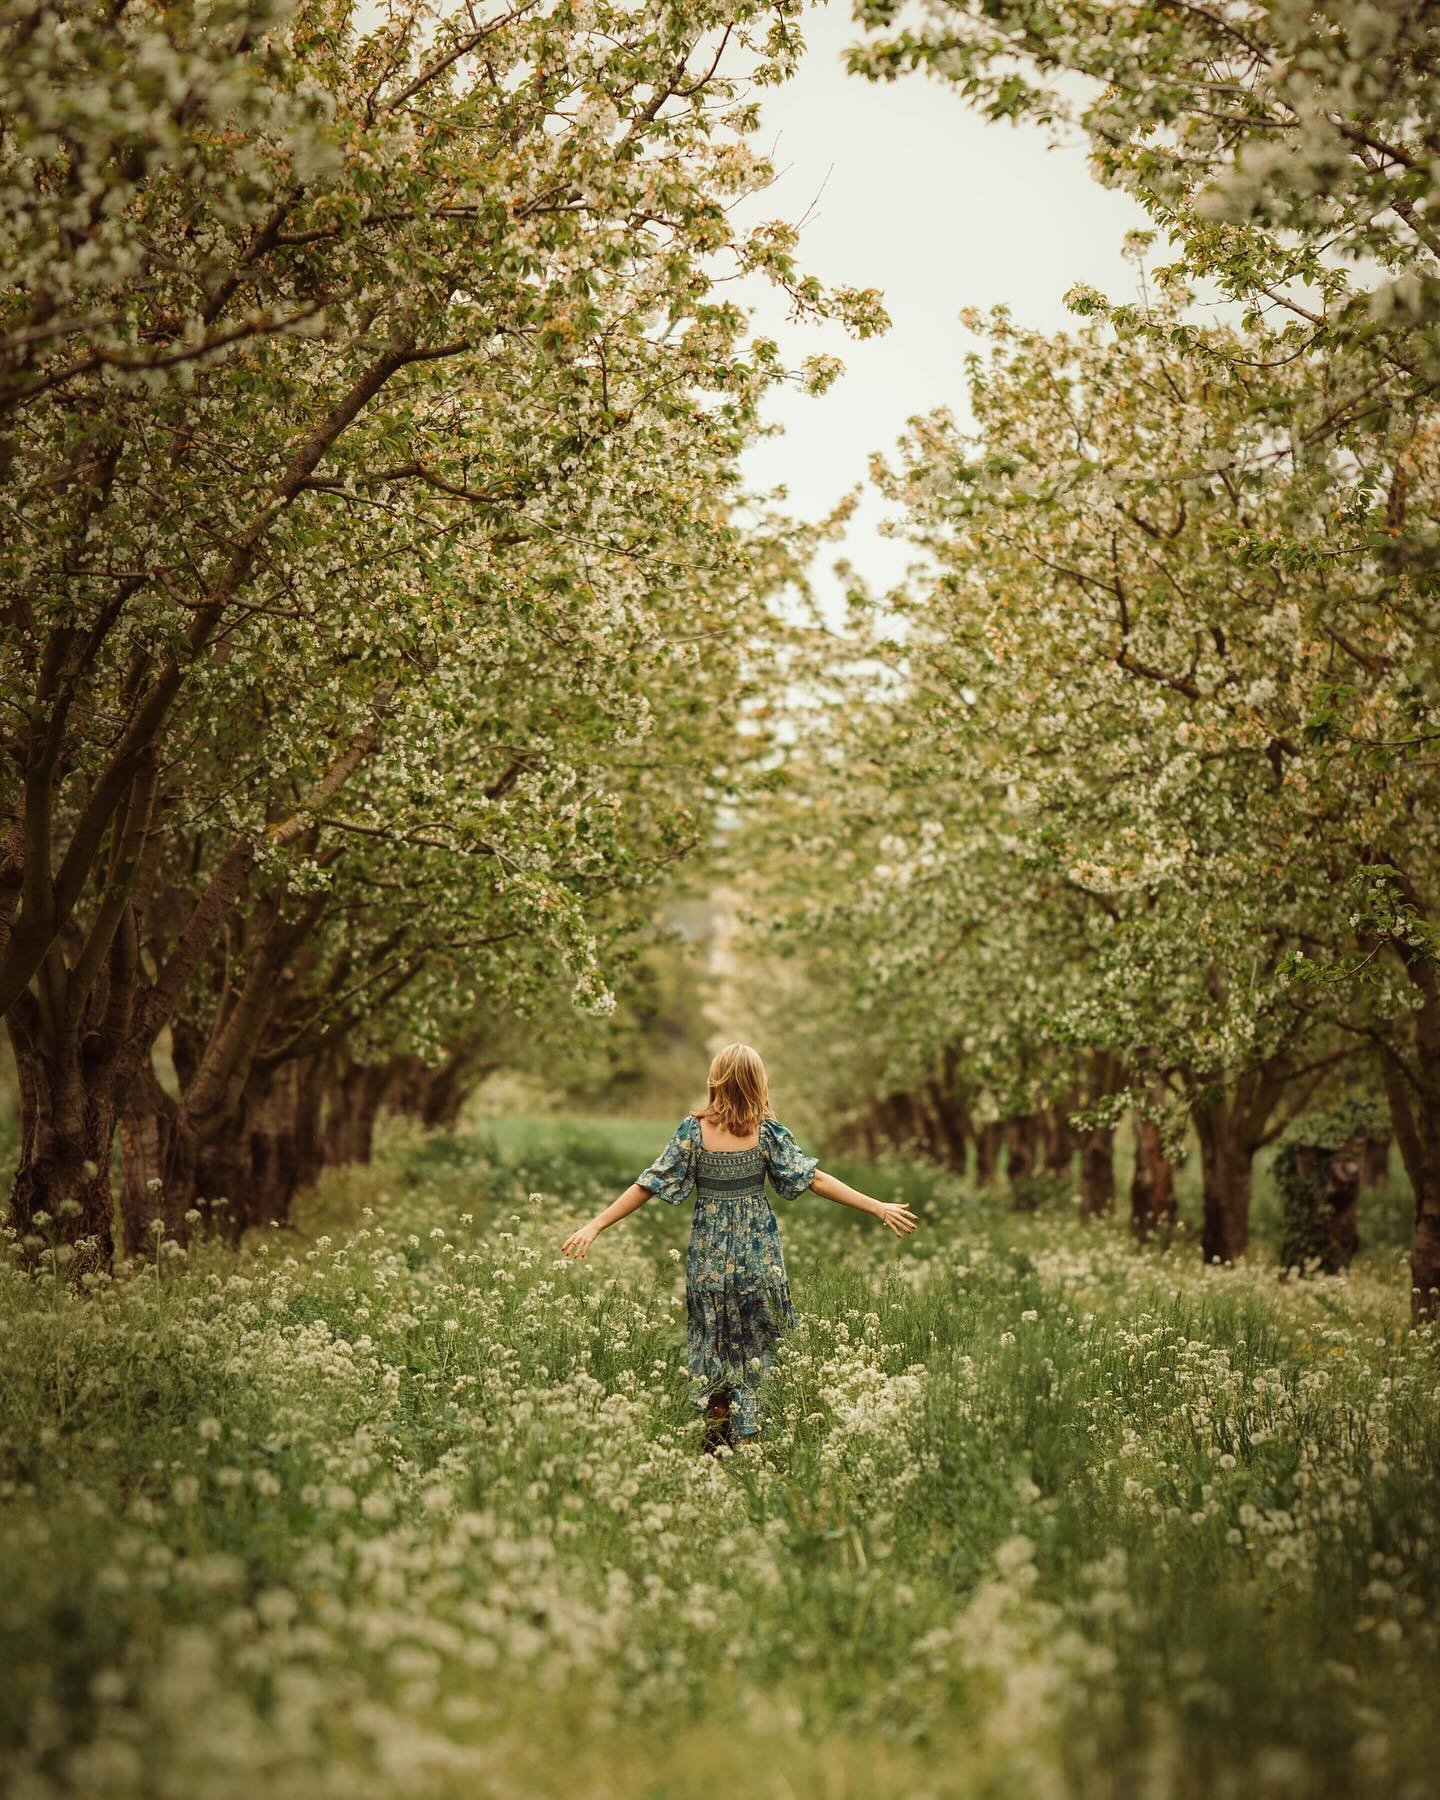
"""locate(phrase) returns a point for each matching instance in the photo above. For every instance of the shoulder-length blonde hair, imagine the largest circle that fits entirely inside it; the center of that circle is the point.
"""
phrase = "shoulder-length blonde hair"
(739, 1091)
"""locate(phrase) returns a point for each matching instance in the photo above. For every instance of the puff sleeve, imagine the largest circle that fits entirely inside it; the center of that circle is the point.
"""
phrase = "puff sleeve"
(672, 1174)
(788, 1167)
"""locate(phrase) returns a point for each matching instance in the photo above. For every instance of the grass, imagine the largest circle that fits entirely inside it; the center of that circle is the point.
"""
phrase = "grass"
(402, 1503)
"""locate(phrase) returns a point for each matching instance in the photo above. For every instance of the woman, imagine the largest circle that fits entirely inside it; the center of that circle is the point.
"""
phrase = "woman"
(737, 1295)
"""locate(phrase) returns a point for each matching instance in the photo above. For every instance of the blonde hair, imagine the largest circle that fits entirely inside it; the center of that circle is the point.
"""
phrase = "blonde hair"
(739, 1091)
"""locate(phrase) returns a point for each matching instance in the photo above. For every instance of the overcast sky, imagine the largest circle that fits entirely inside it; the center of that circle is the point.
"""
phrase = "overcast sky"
(925, 200)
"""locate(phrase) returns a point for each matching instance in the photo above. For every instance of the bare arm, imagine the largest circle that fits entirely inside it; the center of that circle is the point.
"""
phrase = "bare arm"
(630, 1201)
(898, 1217)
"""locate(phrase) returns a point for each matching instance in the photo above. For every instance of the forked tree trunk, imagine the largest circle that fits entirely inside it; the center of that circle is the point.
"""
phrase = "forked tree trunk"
(1152, 1186)
(1097, 1172)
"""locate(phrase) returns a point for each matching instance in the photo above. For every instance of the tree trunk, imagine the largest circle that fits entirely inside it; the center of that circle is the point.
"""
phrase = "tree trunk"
(258, 1160)
(309, 1125)
(1059, 1140)
(1375, 1162)
(1020, 1134)
(434, 1094)
(894, 1118)
(952, 1128)
(67, 1126)
(1417, 1131)
(353, 1106)
(273, 1144)
(1227, 1164)
(1412, 1086)
(1097, 1173)
(987, 1153)
(925, 1125)
(1152, 1187)
(406, 1086)
(157, 1166)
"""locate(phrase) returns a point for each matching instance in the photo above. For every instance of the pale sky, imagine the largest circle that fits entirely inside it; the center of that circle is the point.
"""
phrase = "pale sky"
(939, 209)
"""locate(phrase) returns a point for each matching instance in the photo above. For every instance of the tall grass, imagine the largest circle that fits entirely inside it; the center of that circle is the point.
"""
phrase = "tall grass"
(403, 1503)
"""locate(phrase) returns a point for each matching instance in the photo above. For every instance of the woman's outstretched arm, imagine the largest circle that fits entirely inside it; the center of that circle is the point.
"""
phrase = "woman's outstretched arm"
(630, 1201)
(897, 1216)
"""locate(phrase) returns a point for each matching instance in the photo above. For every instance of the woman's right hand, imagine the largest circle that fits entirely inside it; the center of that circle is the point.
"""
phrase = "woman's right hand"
(898, 1217)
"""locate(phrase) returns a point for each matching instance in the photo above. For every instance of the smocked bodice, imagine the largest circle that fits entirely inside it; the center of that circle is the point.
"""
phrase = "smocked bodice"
(730, 1174)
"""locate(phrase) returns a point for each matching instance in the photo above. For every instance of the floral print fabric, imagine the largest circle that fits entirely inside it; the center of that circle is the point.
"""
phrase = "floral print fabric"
(737, 1295)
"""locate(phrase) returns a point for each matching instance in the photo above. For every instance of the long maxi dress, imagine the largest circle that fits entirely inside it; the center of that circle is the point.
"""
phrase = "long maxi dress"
(737, 1294)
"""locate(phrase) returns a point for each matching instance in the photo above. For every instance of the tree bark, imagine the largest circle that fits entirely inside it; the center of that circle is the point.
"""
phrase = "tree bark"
(987, 1153)
(1097, 1172)
(1416, 1116)
(1227, 1155)
(407, 1086)
(261, 1157)
(309, 1122)
(1375, 1162)
(353, 1106)
(157, 1165)
(67, 1123)
(1020, 1135)
(952, 1128)
(1059, 1140)
(1152, 1187)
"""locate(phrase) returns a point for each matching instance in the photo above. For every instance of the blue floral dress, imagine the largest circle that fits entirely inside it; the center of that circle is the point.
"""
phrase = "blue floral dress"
(737, 1295)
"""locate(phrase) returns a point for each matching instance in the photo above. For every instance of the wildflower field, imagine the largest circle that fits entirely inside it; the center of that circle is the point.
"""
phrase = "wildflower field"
(402, 1503)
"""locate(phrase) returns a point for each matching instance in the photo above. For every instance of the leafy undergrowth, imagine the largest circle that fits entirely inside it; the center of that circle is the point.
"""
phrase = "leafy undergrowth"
(405, 1504)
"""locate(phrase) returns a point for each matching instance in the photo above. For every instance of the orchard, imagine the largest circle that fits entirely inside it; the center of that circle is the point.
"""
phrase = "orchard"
(424, 740)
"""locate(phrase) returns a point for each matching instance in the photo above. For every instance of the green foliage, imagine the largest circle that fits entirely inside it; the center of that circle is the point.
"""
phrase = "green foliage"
(1347, 1120)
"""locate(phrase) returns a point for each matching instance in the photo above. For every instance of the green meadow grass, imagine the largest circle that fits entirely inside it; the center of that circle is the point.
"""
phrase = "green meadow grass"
(402, 1503)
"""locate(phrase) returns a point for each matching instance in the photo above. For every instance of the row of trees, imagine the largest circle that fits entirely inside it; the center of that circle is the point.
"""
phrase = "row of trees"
(377, 585)
(1146, 814)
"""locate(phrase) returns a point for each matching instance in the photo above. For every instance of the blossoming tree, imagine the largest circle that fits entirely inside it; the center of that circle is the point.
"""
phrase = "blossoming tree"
(351, 374)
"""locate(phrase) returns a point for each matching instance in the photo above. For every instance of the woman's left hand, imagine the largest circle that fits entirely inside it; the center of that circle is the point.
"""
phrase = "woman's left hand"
(898, 1217)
